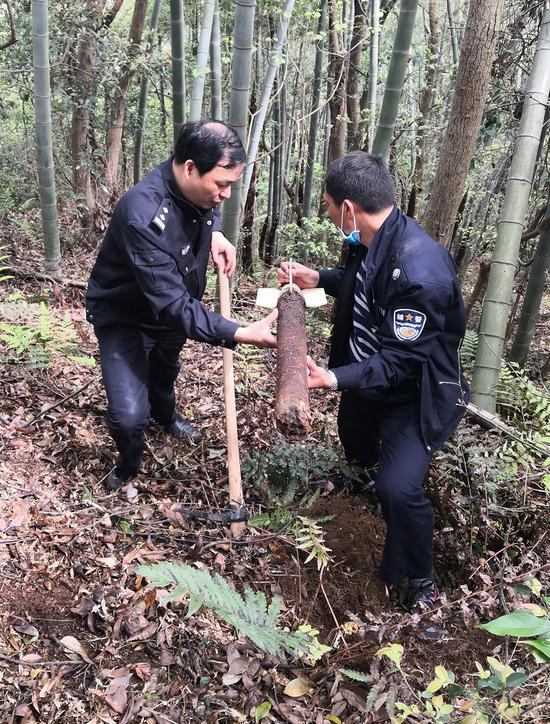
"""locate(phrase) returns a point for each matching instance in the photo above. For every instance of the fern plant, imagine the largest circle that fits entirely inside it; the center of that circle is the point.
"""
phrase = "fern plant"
(284, 471)
(305, 532)
(249, 368)
(251, 615)
(526, 408)
(3, 277)
(310, 538)
(42, 337)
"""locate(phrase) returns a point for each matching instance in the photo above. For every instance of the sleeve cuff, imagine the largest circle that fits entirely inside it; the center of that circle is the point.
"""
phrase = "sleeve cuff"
(347, 376)
(324, 275)
(226, 333)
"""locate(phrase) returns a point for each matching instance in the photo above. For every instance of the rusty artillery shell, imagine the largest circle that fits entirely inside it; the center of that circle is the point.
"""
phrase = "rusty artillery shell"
(291, 395)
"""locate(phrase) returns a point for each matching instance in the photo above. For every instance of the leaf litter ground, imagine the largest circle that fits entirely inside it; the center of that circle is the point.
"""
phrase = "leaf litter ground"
(82, 639)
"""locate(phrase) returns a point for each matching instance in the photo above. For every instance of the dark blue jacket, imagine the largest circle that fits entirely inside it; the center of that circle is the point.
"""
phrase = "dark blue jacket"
(151, 267)
(414, 296)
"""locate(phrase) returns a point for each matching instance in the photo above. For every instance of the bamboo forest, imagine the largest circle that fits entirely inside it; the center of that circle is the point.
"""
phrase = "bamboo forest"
(275, 361)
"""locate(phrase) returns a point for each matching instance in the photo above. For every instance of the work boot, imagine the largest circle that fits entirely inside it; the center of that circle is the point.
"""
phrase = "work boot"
(183, 430)
(118, 477)
(423, 595)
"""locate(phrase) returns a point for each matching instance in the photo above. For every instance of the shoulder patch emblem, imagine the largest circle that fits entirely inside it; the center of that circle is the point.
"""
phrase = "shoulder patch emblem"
(408, 324)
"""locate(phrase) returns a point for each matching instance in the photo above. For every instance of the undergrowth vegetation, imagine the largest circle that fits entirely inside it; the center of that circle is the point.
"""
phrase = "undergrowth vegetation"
(34, 334)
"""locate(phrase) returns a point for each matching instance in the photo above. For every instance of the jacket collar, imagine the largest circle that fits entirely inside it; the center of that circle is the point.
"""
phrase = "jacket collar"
(382, 243)
(174, 190)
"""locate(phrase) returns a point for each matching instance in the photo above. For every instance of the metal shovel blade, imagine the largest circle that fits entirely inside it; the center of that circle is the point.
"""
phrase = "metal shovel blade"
(269, 296)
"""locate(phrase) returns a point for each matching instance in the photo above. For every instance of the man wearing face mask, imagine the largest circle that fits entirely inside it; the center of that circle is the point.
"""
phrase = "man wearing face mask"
(398, 327)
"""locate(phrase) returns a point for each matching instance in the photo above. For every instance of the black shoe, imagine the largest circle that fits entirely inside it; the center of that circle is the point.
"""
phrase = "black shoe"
(183, 430)
(339, 482)
(423, 595)
(117, 478)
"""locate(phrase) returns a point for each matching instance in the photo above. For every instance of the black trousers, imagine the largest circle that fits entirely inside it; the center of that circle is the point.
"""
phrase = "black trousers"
(139, 368)
(385, 438)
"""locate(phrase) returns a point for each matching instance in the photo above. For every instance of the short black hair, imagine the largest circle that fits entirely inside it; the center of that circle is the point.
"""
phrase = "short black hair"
(206, 143)
(363, 178)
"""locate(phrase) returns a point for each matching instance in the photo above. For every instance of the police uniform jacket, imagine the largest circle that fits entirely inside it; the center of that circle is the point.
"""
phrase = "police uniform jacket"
(151, 267)
(414, 297)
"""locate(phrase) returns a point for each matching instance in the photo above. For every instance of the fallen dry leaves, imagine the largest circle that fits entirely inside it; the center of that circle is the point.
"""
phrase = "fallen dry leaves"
(85, 641)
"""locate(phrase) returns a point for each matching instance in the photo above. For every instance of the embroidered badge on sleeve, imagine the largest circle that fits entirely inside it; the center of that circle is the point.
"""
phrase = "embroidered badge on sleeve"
(408, 324)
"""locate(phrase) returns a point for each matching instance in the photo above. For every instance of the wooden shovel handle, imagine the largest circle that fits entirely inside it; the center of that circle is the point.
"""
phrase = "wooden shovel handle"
(233, 459)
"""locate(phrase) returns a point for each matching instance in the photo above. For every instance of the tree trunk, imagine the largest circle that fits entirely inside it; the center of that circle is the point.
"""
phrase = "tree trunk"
(452, 31)
(473, 76)
(314, 118)
(273, 63)
(336, 91)
(533, 296)
(83, 82)
(162, 101)
(496, 308)
(396, 77)
(114, 129)
(354, 75)
(291, 392)
(243, 40)
(203, 47)
(424, 108)
(479, 287)
(216, 66)
(142, 106)
(468, 249)
(43, 126)
(177, 32)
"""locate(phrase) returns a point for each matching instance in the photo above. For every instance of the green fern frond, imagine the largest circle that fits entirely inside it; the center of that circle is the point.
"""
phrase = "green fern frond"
(40, 337)
(275, 520)
(250, 615)
(468, 350)
(310, 538)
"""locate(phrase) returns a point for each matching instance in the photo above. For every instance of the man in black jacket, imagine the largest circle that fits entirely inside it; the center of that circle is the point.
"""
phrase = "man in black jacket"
(144, 292)
(395, 356)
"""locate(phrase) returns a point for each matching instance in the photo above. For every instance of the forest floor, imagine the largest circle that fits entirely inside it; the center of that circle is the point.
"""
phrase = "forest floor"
(68, 549)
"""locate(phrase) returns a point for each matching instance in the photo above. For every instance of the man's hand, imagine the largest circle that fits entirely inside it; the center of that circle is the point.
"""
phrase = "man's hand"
(258, 333)
(303, 276)
(317, 377)
(224, 254)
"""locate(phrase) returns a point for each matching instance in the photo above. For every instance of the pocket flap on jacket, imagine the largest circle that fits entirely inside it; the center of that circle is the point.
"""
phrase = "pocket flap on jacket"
(146, 257)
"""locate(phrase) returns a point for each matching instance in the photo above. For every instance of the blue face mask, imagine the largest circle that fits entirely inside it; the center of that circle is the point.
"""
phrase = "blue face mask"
(354, 237)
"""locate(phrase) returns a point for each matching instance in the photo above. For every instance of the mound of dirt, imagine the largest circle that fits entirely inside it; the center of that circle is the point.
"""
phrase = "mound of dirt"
(355, 537)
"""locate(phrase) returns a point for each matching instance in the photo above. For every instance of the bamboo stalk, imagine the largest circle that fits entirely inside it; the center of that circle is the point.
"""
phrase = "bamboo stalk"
(177, 28)
(197, 92)
(43, 128)
(315, 109)
(216, 66)
(241, 63)
(142, 105)
(497, 305)
(275, 58)
(396, 77)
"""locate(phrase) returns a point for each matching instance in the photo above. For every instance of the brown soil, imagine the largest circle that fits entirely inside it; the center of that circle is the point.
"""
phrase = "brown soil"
(355, 537)
(68, 548)
(350, 591)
